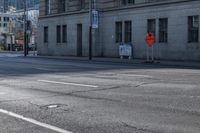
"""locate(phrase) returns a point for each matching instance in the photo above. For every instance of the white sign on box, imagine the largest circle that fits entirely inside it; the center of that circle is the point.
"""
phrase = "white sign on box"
(125, 50)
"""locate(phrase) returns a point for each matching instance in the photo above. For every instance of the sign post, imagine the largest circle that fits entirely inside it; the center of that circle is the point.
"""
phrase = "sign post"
(150, 40)
(94, 23)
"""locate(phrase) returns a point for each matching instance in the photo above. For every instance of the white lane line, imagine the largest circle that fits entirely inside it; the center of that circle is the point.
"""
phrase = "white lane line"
(47, 126)
(65, 83)
(135, 75)
(46, 69)
(2, 93)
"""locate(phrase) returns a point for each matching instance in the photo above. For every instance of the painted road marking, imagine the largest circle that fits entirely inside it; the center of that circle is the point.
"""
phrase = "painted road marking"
(46, 69)
(47, 126)
(135, 75)
(65, 83)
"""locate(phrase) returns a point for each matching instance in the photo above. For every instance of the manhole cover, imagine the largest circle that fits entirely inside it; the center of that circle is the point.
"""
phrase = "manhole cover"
(52, 106)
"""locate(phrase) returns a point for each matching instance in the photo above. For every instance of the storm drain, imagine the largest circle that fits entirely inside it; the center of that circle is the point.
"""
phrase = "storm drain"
(52, 106)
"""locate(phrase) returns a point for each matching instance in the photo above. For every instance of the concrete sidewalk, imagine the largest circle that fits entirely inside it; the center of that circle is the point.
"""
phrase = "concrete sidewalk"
(192, 64)
(33, 54)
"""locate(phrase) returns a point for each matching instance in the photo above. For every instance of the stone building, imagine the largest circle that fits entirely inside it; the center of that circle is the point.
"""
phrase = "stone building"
(64, 27)
(6, 31)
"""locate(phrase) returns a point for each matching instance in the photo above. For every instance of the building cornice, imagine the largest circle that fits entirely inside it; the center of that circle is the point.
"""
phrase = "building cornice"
(65, 14)
(143, 5)
(151, 4)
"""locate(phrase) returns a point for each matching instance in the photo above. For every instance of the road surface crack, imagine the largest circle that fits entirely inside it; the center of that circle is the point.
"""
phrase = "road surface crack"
(93, 90)
(145, 83)
(143, 130)
(92, 98)
(22, 99)
(75, 93)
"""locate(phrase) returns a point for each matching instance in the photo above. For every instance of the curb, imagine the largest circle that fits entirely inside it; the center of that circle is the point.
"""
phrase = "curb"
(182, 64)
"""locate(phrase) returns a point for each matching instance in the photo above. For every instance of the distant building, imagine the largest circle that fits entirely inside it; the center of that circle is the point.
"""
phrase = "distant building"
(5, 5)
(7, 38)
(64, 28)
(1, 6)
(29, 4)
(32, 16)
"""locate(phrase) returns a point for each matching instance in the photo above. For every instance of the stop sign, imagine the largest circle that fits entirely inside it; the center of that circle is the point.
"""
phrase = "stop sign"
(150, 39)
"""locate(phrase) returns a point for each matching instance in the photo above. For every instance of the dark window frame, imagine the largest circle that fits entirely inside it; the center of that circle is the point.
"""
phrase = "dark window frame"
(193, 29)
(5, 25)
(163, 30)
(118, 31)
(61, 6)
(81, 4)
(58, 33)
(47, 7)
(151, 26)
(64, 33)
(127, 31)
(46, 34)
(127, 2)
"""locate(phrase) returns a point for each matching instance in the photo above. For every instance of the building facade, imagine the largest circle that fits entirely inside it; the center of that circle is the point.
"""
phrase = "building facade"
(64, 28)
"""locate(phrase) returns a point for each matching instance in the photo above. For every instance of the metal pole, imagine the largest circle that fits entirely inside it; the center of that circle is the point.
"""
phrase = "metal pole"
(90, 30)
(147, 53)
(90, 43)
(25, 37)
(152, 56)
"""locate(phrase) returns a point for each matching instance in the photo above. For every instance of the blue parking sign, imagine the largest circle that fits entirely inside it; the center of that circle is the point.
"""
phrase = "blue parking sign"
(95, 19)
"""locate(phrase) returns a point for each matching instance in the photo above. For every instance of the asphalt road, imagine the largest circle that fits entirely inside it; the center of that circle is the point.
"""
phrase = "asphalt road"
(39, 95)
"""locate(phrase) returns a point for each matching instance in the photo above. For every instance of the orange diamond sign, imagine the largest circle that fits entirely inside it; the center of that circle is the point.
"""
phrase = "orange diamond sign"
(150, 39)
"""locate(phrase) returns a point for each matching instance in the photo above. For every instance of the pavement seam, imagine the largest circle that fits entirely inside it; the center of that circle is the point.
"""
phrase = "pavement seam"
(138, 128)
